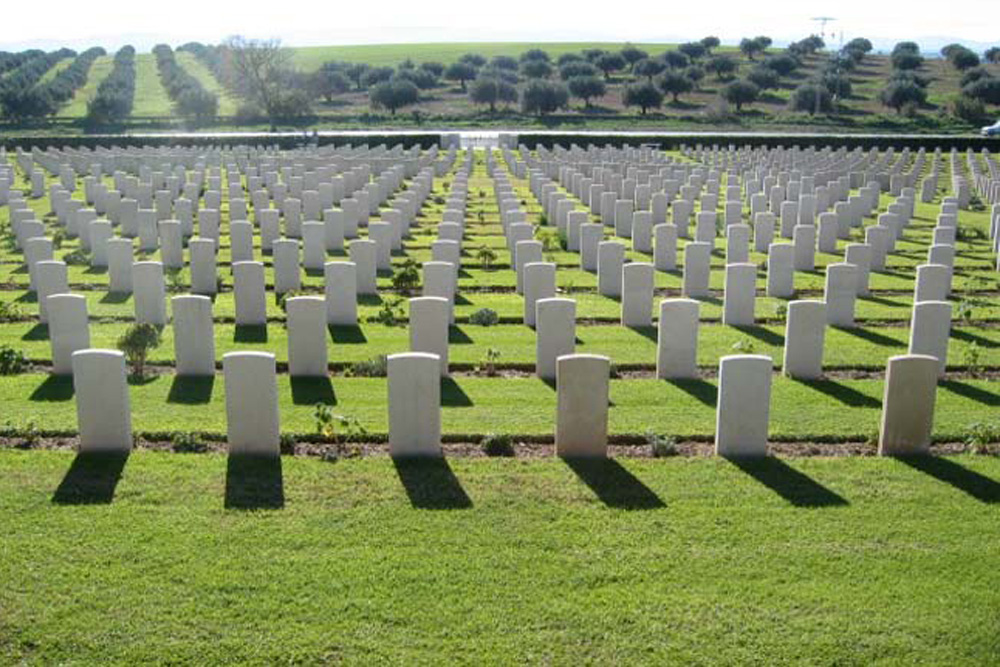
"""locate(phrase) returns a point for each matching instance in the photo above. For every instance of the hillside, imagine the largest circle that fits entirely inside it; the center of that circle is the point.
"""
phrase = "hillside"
(443, 103)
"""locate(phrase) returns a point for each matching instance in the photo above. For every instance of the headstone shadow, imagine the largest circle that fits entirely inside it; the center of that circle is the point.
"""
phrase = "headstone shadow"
(53, 388)
(312, 390)
(91, 479)
(703, 390)
(191, 389)
(347, 335)
(250, 333)
(452, 394)
(613, 484)
(38, 332)
(254, 482)
(978, 486)
(842, 392)
(971, 392)
(430, 483)
(794, 486)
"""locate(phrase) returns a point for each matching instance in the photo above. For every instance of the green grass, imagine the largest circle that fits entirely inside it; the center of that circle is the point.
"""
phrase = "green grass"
(310, 58)
(99, 71)
(150, 96)
(827, 410)
(55, 69)
(693, 561)
(227, 104)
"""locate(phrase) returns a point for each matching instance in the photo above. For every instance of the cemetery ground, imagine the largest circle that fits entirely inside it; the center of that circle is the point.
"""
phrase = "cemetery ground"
(326, 556)
(694, 560)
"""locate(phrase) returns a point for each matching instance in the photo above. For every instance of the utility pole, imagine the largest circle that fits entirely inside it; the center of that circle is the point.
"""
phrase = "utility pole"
(822, 20)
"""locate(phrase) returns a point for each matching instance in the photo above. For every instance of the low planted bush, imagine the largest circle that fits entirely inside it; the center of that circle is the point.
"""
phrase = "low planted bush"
(187, 442)
(494, 444)
(12, 361)
(376, 367)
(484, 317)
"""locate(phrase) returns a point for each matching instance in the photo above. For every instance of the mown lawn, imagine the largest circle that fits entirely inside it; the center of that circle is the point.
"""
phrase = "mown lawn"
(698, 561)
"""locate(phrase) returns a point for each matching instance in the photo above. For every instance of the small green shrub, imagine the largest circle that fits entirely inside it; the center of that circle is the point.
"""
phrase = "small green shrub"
(30, 437)
(390, 313)
(12, 361)
(661, 446)
(337, 428)
(286, 444)
(494, 444)
(488, 366)
(981, 434)
(744, 346)
(9, 312)
(181, 441)
(406, 278)
(376, 367)
(136, 343)
(486, 257)
(76, 258)
(972, 358)
(484, 317)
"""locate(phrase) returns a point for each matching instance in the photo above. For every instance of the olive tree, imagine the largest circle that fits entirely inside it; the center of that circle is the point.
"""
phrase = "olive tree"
(902, 94)
(393, 94)
(675, 84)
(491, 90)
(460, 72)
(740, 92)
(586, 88)
(643, 95)
(610, 62)
(542, 97)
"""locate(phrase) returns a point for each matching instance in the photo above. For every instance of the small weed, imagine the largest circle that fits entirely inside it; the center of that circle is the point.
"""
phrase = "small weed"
(980, 435)
(661, 446)
(494, 444)
(181, 441)
(488, 365)
(744, 346)
(376, 367)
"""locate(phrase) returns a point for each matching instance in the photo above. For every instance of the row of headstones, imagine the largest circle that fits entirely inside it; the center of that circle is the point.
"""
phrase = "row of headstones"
(414, 404)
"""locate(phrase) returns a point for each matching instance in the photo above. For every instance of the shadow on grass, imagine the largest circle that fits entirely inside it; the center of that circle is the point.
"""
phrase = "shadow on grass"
(841, 392)
(312, 390)
(971, 392)
(765, 336)
(614, 485)
(250, 333)
(37, 332)
(53, 388)
(458, 337)
(703, 390)
(254, 482)
(452, 394)
(978, 486)
(116, 297)
(970, 337)
(91, 479)
(871, 336)
(191, 389)
(650, 332)
(796, 487)
(347, 335)
(430, 483)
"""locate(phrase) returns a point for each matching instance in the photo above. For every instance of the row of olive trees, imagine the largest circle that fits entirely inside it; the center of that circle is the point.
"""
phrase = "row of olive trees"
(189, 96)
(116, 93)
(20, 95)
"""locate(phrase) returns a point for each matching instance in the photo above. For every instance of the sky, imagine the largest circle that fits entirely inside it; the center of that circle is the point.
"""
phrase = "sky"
(112, 23)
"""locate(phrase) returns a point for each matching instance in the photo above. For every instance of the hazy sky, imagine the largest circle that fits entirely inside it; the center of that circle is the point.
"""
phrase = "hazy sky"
(111, 23)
